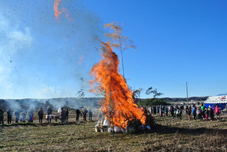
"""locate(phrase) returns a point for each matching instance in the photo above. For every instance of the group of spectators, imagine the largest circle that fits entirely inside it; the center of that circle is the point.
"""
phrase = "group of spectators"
(174, 111)
(62, 115)
(201, 112)
(192, 111)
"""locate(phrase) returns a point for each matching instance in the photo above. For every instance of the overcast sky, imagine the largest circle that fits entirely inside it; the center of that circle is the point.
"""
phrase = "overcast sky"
(177, 41)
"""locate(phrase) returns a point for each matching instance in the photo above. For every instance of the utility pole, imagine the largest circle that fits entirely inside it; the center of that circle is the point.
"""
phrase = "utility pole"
(187, 90)
(122, 42)
(122, 58)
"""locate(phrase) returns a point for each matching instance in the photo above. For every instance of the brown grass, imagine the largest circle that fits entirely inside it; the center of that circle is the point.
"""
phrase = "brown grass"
(169, 135)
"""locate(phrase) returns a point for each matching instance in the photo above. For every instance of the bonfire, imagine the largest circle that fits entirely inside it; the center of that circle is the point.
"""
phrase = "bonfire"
(118, 106)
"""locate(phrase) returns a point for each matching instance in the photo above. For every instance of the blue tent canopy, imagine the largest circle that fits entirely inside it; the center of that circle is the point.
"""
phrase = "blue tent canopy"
(221, 101)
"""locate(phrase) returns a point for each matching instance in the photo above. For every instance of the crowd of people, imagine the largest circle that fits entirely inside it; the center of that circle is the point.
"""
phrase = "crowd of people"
(192, 111)
(62, 114)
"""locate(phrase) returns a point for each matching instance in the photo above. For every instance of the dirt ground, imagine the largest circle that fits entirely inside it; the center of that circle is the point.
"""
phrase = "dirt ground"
(169, 135)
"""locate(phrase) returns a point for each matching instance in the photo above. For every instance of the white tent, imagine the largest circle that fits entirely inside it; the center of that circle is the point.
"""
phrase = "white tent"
(221, 101)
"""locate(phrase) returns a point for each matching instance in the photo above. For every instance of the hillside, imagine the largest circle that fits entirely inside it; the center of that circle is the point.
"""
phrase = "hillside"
(55, 103)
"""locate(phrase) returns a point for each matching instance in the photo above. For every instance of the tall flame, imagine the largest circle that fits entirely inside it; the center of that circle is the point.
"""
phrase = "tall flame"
(118, 105)
(57, 12)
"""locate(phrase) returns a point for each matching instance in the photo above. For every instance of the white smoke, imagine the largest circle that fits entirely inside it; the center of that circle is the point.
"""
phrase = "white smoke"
(35, 48)
(55, 103)
(13, 40)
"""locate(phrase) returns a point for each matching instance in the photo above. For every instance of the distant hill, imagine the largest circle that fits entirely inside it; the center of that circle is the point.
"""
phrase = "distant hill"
(55, 103)
(75, 103)
(224, 94)
(168, 99)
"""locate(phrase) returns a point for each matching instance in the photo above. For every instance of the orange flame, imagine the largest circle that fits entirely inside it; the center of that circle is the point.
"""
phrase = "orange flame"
(118, 105)
(57, 12)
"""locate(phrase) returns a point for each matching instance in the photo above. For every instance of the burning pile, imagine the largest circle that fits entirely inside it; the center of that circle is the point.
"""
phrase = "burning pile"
(118, 105)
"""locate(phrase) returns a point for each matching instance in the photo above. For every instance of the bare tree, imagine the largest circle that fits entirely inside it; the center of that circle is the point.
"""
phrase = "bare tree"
(155, 92)
(81, 93)
(137, 92)
(136, 95)
(149, 91)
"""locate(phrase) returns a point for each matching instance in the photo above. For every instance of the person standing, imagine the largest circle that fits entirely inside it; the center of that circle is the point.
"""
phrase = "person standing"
(172, 110)
(199, 113)
(1, 117)
(190, 112)
(85, 114)
(63, 116)
(67, 115)
(187, 112)
(206, 113)
(40, 114)
(23, 118)
(162, 110)
(30, 116)
(77, 115)
(167, 111)
(154, 110)
(182, 109)
(49, 114)
(217, 111)
(178, 112)
(90, 115)
(9, 116)
(211, 113)
(203, 111)
(194, 111)
(17, 115)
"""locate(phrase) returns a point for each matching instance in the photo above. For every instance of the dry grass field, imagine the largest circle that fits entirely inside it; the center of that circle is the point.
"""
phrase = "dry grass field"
(169, 135)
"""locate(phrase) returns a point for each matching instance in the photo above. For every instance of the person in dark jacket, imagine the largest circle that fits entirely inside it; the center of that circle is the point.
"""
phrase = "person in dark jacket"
(40, 114)
(77, 115)
(90, 115)
(63, 115)
(1, 117)
(85, 114)
(49, 114)
(17, 115)
(194, 111)
(211, 114)
(167, 111)
(154, 110)
(172, 111)
(9, 116)
(67, 115)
